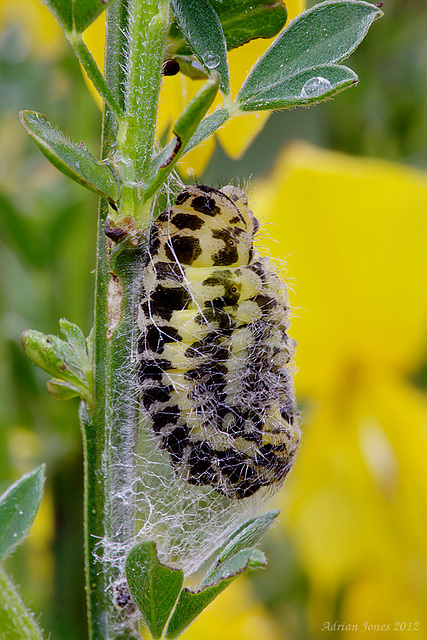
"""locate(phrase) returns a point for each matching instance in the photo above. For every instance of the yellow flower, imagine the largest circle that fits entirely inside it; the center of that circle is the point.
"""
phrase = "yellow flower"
(355, 504)
(177, 91)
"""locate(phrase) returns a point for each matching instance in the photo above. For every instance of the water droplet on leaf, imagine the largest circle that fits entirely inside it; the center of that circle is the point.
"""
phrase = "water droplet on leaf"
(211, 60)
(315, 87)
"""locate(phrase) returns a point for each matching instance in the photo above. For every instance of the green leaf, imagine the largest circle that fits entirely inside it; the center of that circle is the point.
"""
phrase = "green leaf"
(207, 127)
(75, 161)
(191, 67)
(18, 508)
(233, 565)
(203, 32)
(66, 360)
(319, 37)
(248, 534)
(74, 335)
(62, 390)
(77, 15)
(16, 622)
(307, 87)
(183, 129)
(242, 21)
(191, 603)
(154, 587)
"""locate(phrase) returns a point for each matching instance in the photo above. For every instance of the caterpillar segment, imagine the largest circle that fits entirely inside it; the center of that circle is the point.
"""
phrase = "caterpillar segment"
(214, 352)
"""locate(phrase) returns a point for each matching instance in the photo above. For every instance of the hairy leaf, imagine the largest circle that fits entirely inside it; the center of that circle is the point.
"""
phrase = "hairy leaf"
(242, 21)
(77, 15)
(18, 508)
(154, 587)
(75, 161)
(191, 603)
(203, 32)
(307, 87)
(320, 37)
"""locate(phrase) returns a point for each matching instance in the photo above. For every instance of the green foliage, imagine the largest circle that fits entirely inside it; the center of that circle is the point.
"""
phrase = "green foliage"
(46, 255)
(75, 161)
(191, 604)
(244, 20)
(208, 127)
(67, 360)
(18, 508)
(249, 533)
(154, 587)
(298, 69)
(203, 31)
(77, 15)
(310, 85)
(16, 623)
(157, 589)
(241, 21)
(307, 50)
(232, 565)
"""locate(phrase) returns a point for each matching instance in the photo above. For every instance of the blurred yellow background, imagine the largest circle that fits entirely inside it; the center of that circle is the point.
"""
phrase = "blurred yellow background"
(341, 191)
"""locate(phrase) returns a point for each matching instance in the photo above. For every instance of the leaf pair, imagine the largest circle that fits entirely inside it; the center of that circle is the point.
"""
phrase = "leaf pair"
(300, 67)
(167, 609)
(207, 32)
(69, 360)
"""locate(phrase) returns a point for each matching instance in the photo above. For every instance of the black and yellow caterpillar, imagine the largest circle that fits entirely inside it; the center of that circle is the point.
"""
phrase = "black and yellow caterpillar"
(214, 351)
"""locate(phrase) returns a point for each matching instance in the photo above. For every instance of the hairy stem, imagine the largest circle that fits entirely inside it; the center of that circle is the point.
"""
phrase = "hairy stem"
(147, 27)
(135, 40)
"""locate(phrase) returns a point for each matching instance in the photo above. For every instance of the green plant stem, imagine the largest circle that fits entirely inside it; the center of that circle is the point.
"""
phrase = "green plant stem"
(94, 74)
(148, 24)
(110, 426)
(16, 623)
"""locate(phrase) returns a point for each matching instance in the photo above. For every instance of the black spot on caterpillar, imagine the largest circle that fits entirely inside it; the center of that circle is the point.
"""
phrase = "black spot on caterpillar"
(214, 351)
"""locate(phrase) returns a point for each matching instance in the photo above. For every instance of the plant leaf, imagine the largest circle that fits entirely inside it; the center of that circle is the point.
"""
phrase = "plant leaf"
(74, 335)
(18, 508)
(233, 565)
(244, 20)
(75, 161)
(203, 32)
(154, 587)
(248, 534)
(62, 390)
(207, 127)
(66, 360)
(323, 35)
(241, 20)
(76, 15)
(191, 603)
(16, 622)
(183, 130)
(307, 87)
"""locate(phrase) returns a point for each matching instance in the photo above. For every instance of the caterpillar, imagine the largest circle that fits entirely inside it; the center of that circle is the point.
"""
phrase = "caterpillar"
(214, 352)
